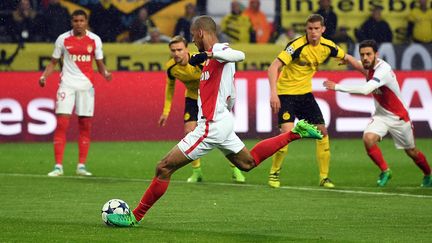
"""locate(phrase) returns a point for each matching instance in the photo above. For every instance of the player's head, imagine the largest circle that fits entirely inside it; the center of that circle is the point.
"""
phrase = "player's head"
(368, 53)
(178, 49)
(314, 27)
(79, 22)
(203, 27)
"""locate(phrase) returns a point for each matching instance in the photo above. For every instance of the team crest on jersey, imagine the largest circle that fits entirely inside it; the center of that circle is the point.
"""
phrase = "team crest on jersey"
(286, 116)
(89, 48)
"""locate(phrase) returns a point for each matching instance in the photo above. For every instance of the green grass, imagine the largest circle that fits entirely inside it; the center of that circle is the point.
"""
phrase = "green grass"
(67, 209)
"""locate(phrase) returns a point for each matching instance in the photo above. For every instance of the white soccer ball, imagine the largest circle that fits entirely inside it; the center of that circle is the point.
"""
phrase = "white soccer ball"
(114, 206)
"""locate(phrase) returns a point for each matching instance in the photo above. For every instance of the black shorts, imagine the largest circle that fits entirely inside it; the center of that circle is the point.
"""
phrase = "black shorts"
(191, 110)
(300, 106)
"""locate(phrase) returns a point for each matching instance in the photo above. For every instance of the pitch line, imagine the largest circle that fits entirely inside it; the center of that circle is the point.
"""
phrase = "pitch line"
(230, 184)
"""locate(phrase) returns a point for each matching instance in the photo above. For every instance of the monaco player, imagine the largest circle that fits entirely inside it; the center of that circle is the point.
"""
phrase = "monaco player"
(390, 114)
(216, 123)
(78, 47)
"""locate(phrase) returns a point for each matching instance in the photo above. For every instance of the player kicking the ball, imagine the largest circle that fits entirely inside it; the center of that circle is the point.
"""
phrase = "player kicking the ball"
(78, 47)
(216, 123)
(390, 114)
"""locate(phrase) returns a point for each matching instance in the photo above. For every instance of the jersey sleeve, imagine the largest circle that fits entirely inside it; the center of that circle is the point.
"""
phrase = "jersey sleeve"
(224, 53)
(58, 48)
(286, 56)
(340, 53)
(169, 93)
(98, 51)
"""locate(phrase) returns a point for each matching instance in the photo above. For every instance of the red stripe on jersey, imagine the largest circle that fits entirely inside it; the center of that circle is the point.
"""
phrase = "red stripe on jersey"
(81, 52)
(200, 139)
(209, 87)
(389, 101)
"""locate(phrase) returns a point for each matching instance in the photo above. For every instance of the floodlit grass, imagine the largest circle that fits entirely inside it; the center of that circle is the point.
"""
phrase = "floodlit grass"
(67, 209)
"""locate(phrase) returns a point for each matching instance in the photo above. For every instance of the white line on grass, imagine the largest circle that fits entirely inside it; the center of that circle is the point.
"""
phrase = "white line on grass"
(231, 184)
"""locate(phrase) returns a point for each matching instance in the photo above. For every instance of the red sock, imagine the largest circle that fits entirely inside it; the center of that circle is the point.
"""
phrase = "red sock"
(84, 124)
(375, 154)
(422, 163)
(156, 189)
(60, 138)
(268, 147)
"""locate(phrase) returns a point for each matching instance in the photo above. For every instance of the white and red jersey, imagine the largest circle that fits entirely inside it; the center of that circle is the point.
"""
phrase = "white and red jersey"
(216, 86)
(78, 55)
(387, 95)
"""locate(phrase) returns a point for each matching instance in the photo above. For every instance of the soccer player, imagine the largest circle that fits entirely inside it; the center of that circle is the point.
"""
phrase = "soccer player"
(178, 67)
(391, 115)
(216, 123)
(291, 92)
(77, 47)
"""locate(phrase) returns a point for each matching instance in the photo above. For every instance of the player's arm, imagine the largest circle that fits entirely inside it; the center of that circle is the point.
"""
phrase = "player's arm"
(169, 94)
(227, 55)
(364, 89)
(99, 60)
(356, 64)
(273, 73)
(102, 70)
(49, 69)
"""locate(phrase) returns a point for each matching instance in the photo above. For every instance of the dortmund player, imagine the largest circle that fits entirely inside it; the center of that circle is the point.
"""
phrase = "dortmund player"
(179, 68)
(291, 92)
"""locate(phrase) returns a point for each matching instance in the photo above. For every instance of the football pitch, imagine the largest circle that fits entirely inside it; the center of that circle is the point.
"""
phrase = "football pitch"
(67, 209)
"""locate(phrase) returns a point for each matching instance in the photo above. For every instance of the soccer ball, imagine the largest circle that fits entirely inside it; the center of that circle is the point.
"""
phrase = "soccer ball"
(114, 206)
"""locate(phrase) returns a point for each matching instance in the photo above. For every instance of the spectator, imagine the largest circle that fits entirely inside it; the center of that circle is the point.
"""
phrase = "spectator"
(236, 26)
(259, 21)
(140, 27)
(105, 20)
(420, 24)
(24, 22)
(183, 24)
(288, 34)
(375, 28)
(56, 20)
(154, 36)
(330, 18)
(342, 36)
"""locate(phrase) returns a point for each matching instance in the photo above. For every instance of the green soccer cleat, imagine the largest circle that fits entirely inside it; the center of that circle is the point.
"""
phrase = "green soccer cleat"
(327, 183)
(122, 220)
(306, 130)
(196, 176)
(427, 181)
(274, 179)
(237, 176)
(384, 177)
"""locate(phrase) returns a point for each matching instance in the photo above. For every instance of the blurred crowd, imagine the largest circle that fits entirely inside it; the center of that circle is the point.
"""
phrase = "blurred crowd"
(44, 20)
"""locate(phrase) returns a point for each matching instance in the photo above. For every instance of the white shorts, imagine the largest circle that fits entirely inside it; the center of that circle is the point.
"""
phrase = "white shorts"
(67, 98)
(401, 131)
(209, 135)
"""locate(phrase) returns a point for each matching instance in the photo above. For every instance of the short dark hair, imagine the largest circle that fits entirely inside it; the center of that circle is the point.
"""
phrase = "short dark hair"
(205, 23)
(315, 18)
(369, 43)
(178, 39)
(79, 12)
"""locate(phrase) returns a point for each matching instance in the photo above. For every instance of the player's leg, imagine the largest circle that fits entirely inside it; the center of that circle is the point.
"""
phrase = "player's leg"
(373, 133)
(85, 111)
(173, 161)
(307, 108)
(190, 118)
(403, 136)
(64, 105)
(246, 160)
(286, 117)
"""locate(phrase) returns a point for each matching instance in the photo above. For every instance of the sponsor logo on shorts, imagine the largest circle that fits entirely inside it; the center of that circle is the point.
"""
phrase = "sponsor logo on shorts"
(286, 116)
(187, 116)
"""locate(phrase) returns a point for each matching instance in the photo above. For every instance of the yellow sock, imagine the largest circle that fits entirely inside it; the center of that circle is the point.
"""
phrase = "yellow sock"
(278, 158)
(196, 163)
(323, 156)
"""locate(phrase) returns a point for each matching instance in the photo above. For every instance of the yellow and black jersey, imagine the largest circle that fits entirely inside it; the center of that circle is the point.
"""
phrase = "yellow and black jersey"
(301, 62)
(189, 75)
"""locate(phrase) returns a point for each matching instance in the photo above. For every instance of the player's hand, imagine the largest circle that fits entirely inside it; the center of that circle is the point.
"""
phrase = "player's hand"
(108, 76)
(42, 81)
(330, 85)
(198, 58)
(275, 103)
(162, 120)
